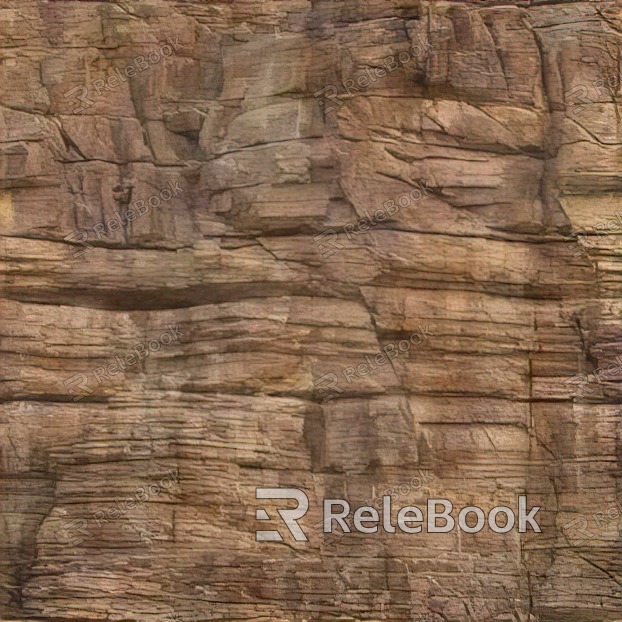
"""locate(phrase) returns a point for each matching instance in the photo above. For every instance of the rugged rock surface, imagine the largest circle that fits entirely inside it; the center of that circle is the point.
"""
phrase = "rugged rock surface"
(268, 304)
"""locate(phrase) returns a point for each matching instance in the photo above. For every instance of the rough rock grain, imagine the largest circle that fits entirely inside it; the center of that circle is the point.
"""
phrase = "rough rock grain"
(232, 115)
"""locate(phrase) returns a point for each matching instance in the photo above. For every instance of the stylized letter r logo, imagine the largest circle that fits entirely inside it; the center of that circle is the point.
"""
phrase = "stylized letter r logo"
(290, 517)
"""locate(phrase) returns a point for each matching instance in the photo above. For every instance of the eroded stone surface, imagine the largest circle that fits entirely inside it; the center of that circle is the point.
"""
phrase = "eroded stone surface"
(482, 115)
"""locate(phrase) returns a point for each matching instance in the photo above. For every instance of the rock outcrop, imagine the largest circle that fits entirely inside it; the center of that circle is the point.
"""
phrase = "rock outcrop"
(213, 215)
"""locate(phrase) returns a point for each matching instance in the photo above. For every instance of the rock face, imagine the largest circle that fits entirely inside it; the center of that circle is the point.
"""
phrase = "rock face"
(214, 215)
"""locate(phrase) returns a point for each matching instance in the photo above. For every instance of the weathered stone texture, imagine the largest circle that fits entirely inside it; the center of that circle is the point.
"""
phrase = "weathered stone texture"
(483, 117)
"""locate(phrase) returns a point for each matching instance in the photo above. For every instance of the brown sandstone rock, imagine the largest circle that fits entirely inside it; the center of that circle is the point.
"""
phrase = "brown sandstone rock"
(238, 261)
